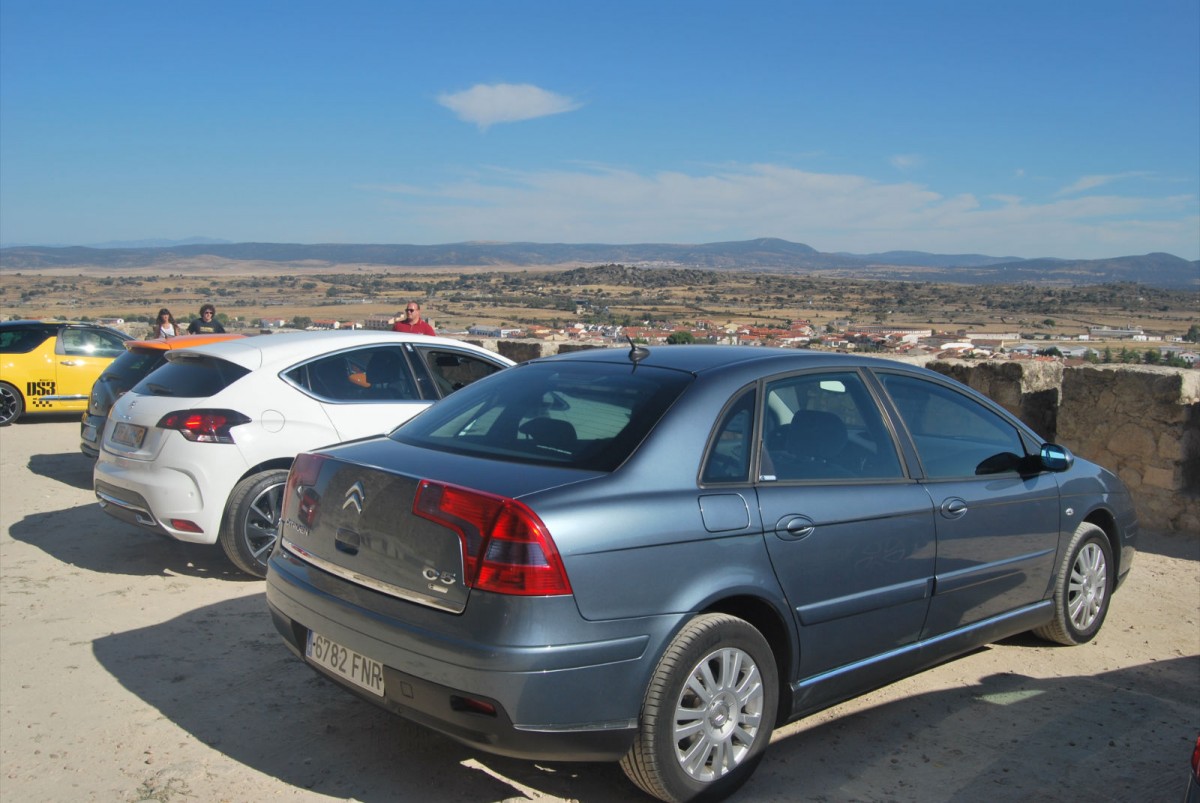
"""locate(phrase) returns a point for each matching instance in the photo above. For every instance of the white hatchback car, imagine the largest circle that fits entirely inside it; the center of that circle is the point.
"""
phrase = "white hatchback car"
(200, 449)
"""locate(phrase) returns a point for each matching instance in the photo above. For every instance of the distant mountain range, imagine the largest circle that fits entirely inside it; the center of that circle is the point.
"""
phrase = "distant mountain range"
(765, 254)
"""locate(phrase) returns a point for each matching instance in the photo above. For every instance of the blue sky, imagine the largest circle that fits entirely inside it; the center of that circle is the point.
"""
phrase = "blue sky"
(1063, 128)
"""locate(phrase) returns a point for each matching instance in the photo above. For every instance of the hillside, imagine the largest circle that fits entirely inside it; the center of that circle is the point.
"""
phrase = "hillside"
(764, 254)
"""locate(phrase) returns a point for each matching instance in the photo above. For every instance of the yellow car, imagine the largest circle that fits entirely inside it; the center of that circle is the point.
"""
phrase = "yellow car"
(49, 367)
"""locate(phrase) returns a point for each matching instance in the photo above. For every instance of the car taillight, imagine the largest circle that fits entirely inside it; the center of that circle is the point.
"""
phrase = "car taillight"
(506, 547)
(1196, 760)
(300, 488)
(204, 426)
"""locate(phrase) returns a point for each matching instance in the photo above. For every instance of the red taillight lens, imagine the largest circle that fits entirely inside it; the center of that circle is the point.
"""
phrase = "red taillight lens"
(1196, 759)
(299, 494)
(506, 547)
(204, 426)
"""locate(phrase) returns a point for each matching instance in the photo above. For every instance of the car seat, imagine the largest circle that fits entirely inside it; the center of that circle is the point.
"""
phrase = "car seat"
(814, 440)
(551, 433)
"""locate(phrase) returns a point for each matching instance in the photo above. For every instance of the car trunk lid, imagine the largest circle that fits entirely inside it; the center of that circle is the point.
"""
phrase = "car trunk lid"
(348, 512)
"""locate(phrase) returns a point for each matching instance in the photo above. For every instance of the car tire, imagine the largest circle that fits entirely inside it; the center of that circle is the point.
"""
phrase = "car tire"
(250, 526)
(713, 750)
(1082, 588)
(12, 405)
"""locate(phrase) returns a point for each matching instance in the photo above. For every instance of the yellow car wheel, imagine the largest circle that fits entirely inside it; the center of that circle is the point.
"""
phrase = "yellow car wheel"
(11, 404)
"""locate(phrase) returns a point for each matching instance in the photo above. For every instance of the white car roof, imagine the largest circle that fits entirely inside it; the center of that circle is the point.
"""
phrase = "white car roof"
(292, 347)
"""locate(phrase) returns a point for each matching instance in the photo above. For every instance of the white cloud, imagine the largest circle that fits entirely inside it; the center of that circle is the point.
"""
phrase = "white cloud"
(1091, 182)
(488, 104)
(830, 212)
(906, 161)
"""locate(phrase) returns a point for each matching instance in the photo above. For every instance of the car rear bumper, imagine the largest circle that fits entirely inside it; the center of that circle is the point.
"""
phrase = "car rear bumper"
(154, 494)
(575, 697)
(128, 506)
(91, 429)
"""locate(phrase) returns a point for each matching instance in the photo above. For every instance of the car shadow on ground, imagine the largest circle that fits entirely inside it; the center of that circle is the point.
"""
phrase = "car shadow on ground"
(70, 469)
(87, 537)
(222, 674)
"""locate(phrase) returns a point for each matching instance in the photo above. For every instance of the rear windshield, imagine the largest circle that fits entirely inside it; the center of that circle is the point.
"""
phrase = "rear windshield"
(191, 377)
(132, 366)
(577, 414)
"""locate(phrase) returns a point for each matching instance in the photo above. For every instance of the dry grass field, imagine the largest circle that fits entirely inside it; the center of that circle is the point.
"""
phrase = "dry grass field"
(518, 297)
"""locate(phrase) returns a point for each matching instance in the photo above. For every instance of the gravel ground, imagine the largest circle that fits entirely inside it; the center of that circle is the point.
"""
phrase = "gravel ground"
(136, 668)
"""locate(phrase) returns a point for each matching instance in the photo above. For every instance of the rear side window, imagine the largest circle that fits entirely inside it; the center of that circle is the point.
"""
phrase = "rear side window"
(190, 376)
(826, 426)
(579, 415)
(729, 456)
(23, 341)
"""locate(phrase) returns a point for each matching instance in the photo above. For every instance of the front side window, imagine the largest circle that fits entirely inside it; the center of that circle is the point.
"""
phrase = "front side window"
(955, 436)
(379, 373)
(452, 370)
(825, 426)
(90, 343)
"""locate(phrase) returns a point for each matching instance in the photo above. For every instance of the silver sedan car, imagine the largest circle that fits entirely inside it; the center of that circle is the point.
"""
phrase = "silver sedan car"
(656, 556)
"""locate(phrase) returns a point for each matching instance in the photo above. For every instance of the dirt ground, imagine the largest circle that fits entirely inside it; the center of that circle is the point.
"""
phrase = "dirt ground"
(135, 668)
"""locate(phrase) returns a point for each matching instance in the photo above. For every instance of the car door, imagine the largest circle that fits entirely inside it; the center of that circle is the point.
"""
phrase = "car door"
(364, 391)
(850, 536)
(997, 528)
(81, 355)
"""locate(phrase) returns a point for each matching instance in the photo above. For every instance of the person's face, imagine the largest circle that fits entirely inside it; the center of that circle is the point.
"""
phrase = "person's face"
(412, 313)
(207, 314)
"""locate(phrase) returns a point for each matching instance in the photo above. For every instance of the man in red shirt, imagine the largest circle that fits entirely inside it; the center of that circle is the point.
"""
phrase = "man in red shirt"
(412, 321)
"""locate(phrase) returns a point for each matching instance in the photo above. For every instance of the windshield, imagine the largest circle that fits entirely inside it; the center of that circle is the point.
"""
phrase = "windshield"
(575, 414)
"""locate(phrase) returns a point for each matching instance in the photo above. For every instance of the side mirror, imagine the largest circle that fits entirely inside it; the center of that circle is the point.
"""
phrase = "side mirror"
(1056, 458)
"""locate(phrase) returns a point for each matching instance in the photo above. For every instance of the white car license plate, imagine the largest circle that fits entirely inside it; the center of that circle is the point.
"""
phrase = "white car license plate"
(129, 434)
(360, 670)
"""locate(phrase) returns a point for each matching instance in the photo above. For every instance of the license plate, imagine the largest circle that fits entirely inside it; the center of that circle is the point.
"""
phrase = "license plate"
(344, 662)
(89, 433)
(129, 434)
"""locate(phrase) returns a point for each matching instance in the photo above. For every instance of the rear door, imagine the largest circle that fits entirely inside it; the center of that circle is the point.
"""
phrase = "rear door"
(851, 537)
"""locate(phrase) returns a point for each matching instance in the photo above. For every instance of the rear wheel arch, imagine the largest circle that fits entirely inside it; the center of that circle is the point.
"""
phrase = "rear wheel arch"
(12, 403)
(708, 712)
(284, 463)
(767, 620)
(249, 523)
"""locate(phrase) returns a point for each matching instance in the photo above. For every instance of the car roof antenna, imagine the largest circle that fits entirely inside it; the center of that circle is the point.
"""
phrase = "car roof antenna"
(636, 353)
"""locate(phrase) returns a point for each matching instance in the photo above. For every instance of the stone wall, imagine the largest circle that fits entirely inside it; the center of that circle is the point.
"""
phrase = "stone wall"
(1142, 422)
